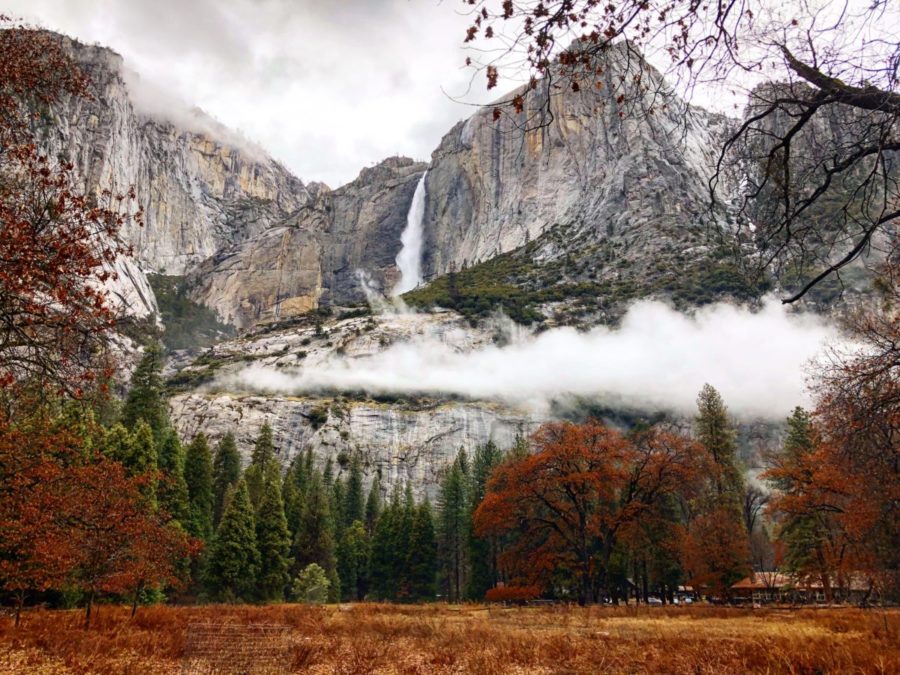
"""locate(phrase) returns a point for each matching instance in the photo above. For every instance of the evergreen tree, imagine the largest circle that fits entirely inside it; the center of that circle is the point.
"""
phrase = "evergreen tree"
(117, 443)
(384, 573)
(311, 585)
(719, 524)
(263, 454)
(198, 477)
(422, 555)
(354, 499)
(234, 558)
(315, 535)
(273, 540)
(404, 542)
(353, 561)
(226, 472)
(146, 396)
(716, 434)
(482, 553)
(264, 449)
(143, 457)
(373, 504)
(293, 505)
(800, 533)
(337, 508)
(453, 529)
(172, 489)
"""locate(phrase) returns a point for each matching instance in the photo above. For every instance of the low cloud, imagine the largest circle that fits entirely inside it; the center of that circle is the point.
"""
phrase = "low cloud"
(657, 359)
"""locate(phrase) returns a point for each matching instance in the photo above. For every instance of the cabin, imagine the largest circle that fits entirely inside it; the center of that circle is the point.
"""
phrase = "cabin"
(777, 587)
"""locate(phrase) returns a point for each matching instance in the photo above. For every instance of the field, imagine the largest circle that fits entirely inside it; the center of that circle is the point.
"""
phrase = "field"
(370, 638)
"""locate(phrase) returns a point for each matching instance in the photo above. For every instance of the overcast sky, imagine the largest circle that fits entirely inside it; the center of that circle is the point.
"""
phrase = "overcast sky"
(325, 86)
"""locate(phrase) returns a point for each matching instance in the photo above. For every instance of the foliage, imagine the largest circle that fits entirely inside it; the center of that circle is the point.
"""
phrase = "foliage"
(226, 472)
(273, 540)
(189, 325)
(234, 558)
(198, 477)
(569, 503)
(58, 245)
(311, 585)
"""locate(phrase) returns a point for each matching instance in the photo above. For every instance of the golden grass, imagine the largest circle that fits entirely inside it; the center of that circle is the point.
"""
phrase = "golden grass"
(370, 638)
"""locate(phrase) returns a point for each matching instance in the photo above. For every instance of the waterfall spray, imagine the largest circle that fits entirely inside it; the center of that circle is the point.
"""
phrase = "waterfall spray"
(409, 260)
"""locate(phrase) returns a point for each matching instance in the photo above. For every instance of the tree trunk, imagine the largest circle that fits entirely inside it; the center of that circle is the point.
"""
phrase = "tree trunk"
(134, 600)
(87, 612)
(20, 601)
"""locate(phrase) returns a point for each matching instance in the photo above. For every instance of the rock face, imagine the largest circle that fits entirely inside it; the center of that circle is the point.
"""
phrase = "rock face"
(401, 444)
(495, 185)
(314, 256)
(199, 193)
(403, 439)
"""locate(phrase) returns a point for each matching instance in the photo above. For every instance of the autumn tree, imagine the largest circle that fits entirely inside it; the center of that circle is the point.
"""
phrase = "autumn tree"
(571, 501)
(814, 199)
(58, 246)
(836, 478)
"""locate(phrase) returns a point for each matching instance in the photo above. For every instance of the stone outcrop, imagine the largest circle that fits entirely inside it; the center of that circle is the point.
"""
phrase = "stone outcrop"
(402, 438)
(314, 257)
(401, 444)
(570, 158)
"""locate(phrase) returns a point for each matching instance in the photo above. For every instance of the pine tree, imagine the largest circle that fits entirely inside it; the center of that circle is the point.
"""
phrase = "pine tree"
(453, 529)
(273, 540)
(264, 449)
(482, 552)
(337, 508)
(373, 504)
(383, 563)
(146, 396)
(404, 542)
(716, 434)
(117, 443)
(422, 555)
(198, 477)
(315, 535)
(172, 489)
(143, 457)
(800, 533)
(353, 561)
(719, 524)
(263, 454)
(234, 558)
(354, 499)
(226, 472)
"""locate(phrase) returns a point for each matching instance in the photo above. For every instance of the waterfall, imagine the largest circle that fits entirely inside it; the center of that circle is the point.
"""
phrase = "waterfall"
(409, 260)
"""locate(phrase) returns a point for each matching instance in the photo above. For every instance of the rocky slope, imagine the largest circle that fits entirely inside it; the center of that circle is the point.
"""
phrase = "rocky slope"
(400, 438)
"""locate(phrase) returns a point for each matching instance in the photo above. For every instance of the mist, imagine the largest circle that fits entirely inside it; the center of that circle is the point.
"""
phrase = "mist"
(657, 359)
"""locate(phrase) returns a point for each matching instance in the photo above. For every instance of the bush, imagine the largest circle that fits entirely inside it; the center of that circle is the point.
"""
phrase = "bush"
(311, 585)
(512, 593)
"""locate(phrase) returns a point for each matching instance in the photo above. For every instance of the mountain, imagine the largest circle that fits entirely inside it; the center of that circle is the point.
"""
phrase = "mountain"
(565, 222)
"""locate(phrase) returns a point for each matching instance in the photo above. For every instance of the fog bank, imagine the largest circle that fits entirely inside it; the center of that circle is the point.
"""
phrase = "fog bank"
(657, 359)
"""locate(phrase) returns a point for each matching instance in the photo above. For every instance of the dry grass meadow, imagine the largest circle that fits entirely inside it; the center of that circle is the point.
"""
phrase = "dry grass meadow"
(370, 638)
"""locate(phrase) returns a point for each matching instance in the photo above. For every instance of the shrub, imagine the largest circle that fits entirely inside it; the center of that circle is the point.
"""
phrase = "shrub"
(311, 585)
